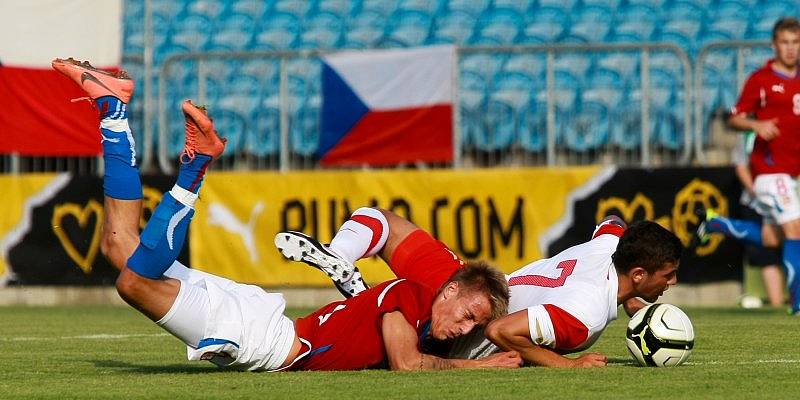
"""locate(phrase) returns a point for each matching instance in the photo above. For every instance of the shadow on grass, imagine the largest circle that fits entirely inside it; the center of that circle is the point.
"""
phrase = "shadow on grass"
(156, 369)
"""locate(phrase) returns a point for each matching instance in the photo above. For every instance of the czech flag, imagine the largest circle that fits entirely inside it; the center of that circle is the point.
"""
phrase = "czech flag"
(36, 115)
(387, 107)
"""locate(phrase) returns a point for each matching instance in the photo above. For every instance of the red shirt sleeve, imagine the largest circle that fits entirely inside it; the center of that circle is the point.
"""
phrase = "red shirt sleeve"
(570, 333)
(408, 297)
(750, 98)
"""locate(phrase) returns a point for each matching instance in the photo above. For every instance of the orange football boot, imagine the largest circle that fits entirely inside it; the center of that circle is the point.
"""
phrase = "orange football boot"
(201, 137)
(95, 82)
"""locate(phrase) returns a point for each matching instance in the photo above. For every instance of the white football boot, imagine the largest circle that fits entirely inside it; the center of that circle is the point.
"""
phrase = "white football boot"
(301, 247)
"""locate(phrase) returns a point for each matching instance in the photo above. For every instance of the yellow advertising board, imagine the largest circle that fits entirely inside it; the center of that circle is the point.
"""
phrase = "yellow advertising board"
(497, 215)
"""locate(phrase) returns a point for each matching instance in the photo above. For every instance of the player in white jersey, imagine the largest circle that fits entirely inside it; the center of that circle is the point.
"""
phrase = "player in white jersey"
(558, 305)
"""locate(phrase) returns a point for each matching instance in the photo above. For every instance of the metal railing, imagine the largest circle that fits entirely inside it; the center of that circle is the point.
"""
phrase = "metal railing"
(556, 152)
(741, 49)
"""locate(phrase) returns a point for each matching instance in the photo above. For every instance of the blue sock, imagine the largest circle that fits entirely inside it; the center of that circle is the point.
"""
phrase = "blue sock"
(191, 174)
(791, 260)
(162, 238)
(746, 230)
(121, 179)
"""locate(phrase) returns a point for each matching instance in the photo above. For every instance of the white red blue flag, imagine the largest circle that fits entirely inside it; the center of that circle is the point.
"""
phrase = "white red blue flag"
(36, 115)
(387, 107)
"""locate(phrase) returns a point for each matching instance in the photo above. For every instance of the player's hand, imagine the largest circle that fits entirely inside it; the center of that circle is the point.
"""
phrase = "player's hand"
(590, 360)
(506, 359)
(767, 129)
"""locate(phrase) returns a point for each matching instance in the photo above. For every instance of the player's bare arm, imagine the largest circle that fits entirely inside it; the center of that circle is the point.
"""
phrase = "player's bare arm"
(512, 333)
(401, 343)
(767, 129)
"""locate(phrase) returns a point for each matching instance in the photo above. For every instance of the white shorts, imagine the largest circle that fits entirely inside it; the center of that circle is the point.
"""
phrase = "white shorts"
(778, 201)
(215, 316)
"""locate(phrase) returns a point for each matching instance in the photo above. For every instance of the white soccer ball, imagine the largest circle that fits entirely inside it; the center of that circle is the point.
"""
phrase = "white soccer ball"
(660, 335)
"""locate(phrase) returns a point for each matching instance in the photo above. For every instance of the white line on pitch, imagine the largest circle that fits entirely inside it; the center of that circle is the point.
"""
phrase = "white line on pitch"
(102, 336)
(778, 361)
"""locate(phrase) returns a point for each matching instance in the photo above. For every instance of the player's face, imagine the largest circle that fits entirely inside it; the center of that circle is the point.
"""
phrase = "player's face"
(455, 313)
(787, 47)
(651, 286)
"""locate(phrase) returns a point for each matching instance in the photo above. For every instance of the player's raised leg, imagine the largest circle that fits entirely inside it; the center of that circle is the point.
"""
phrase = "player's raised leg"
(122, 188)
(368, 232)
(141, 283)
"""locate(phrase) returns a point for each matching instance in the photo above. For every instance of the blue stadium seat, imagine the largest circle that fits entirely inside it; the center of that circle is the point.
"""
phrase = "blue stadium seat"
(253, 8)
(609, 4)
(191, 33)
(233, 32)
(765, 16)
(589, 128)
(720, 62)
(726, 29)
(278, 31)
(384, 8)
(682, 32)
(166, 10)
(471, 7)
(591, 23)
(304, 127)
(484, 65)
(640, 30)
(497, 27)
(293, 7)
(625, 65)
(532, 65)
(264, 137)
(547, 25)
(409, 28)
(340, 8)
(321, 30)
(507, 102)
(427, 7)
(732, 9)
(565, 5)
(232, 125)
(654, 4)
(574, 67)
(210, 9)
(364, 30)
(452, 27)
(521, 7)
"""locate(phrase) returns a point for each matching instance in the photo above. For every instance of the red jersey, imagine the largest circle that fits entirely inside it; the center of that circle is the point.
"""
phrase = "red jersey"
(767, 94)
(425, 260)
(346, 335)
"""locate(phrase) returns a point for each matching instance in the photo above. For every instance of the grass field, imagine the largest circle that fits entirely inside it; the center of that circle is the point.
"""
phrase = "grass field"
(113, 352)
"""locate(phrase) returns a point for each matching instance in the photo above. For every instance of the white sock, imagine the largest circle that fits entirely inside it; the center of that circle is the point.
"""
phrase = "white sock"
(363, 235)
(184, 196)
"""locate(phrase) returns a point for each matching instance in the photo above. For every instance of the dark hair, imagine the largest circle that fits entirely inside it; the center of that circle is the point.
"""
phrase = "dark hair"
(482, 277)
(648, 245)
(785, 24)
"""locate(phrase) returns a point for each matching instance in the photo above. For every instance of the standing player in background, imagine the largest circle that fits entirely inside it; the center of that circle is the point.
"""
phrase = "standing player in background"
(241, 326)
(559, 305)
(769, 105)
(767, 259)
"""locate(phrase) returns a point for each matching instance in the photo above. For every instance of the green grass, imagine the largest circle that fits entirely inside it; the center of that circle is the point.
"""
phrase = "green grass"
(71, 352)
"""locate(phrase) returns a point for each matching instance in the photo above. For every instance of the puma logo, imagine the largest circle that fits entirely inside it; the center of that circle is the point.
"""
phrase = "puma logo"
(777, 88)
(220, 215)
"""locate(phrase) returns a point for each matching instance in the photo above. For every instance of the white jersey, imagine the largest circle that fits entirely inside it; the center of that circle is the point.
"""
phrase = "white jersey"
(570, 297)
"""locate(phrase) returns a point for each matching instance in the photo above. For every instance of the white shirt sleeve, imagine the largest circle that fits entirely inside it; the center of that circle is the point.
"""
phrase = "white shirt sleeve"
(541, 326)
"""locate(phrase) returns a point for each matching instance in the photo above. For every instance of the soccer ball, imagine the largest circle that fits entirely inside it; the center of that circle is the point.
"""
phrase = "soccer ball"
(660, 335)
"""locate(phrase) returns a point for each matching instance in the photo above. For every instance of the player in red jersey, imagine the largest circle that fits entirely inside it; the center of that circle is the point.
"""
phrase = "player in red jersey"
(558, 305)
(240, 326)
(769, 105)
